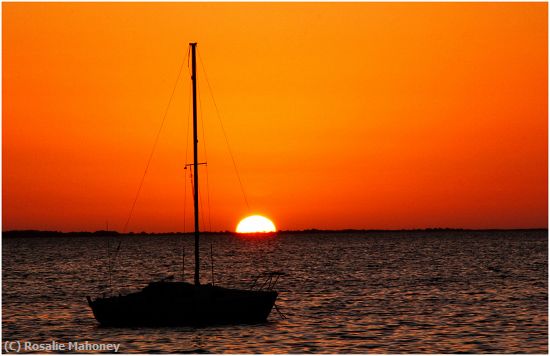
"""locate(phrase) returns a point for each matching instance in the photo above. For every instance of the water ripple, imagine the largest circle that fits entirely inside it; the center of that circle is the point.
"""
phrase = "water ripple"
(437, 292)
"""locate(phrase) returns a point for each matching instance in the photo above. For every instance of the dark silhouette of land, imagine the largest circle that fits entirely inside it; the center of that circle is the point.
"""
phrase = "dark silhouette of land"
(42, 233)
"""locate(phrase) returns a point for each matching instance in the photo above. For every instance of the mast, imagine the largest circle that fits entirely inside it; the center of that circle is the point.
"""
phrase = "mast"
(195, 160)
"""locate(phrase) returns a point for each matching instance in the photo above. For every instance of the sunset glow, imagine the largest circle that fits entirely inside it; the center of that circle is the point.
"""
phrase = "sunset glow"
(254, 224)
(339, 115)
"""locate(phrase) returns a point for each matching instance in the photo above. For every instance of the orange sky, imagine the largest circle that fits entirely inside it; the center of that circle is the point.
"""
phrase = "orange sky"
(357, 115)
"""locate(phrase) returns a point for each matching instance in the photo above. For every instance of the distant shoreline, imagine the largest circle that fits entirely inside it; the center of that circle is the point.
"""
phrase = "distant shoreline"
(46, 233)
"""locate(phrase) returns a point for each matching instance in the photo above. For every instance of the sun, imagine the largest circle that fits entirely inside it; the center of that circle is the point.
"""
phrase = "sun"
(255, 224)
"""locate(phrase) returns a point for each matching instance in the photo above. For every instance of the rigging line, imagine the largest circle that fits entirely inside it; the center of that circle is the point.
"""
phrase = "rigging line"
(109, 260)
(208, 201)
(206, 160)
(185, 178)
(154, 147)
(223, 130)
(184, 203)
(188, 52)
(199, 197)
(186, 150)
(204, 149)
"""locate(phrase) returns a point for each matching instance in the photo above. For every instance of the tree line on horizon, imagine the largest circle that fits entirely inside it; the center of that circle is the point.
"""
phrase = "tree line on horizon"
(50, 233)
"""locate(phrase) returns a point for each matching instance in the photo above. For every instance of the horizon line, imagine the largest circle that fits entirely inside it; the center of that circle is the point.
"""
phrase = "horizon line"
(309, 230)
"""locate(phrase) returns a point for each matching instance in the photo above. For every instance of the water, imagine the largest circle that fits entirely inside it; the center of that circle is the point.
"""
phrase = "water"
(424, 292)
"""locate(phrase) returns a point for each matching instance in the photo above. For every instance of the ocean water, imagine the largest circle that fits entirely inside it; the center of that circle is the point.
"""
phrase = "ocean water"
(385, 292)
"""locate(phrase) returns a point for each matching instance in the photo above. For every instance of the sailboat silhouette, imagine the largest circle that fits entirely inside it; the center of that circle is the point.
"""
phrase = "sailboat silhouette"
(169, 303)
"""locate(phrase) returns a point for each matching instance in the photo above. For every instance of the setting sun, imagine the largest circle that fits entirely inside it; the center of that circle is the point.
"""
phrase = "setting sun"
(255, 224)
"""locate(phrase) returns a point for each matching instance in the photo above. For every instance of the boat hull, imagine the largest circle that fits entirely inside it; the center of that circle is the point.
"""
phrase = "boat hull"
(178, 303)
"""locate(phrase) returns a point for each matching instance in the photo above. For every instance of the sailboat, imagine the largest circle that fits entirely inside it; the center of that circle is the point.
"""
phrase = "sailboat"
(171, 303)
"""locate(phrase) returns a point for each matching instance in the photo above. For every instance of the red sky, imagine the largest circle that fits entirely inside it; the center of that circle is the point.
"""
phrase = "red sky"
(357, 115)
